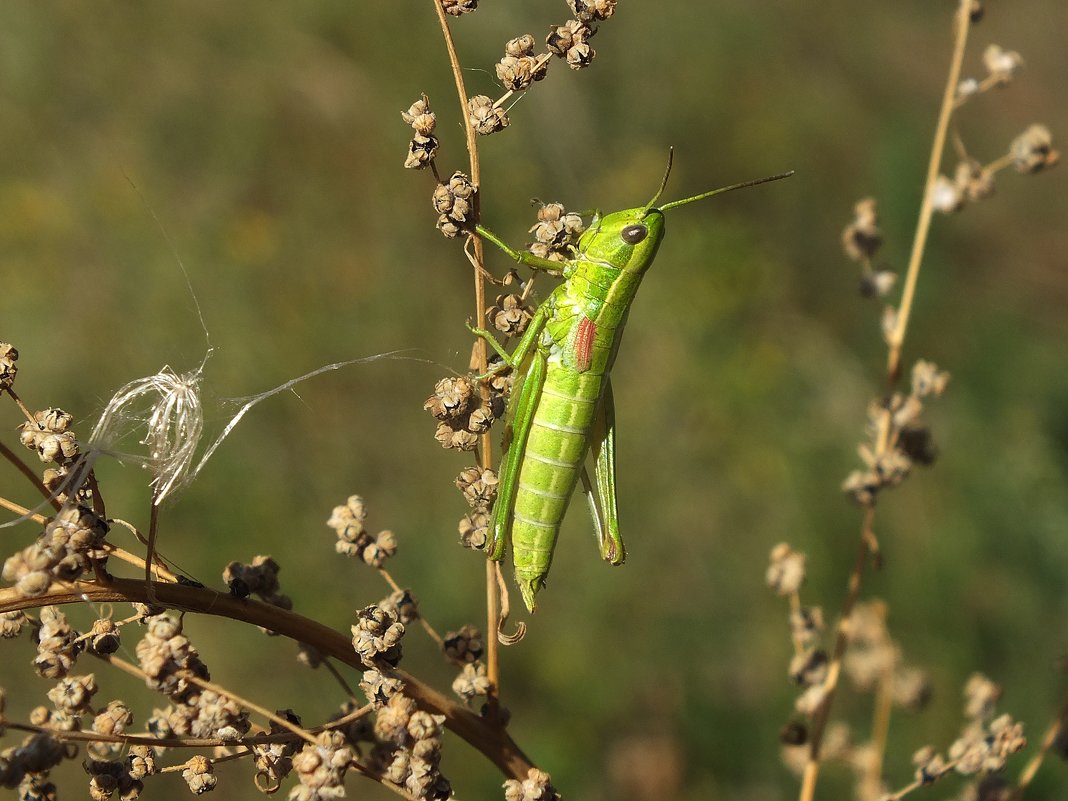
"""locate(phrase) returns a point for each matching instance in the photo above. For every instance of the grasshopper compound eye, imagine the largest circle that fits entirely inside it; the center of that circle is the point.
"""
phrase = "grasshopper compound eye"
(633, 234)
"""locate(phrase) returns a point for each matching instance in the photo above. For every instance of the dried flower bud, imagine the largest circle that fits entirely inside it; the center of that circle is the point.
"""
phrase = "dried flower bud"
(520, 46)
(474, 530)
(1033, 151)
(421, 151)
(592, 10)
(8, 369)
(510, 315)
(464, 645)
(458, 7)
(946, 196)
(570, 41)
(927, 379)
(786, 572)
(1001, 64)
(968, 87)
(862, 238)
(485, 118)
(420, 117)
(536, 787)
(452, 398)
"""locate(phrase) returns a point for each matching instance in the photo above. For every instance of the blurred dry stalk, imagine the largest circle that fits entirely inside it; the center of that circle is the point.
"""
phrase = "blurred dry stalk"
(897, 440)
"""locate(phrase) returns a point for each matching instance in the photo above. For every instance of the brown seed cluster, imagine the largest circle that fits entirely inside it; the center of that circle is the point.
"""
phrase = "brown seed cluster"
(462, 414)
(518, 70)
(407, 748)
(536, 787)
(556, 233)
(259, 577)
(454, 203)
(354, 540)
(71, 544)
(861, 240)
(985, 741)
(897, 437)
(376, 636)
(8, 369)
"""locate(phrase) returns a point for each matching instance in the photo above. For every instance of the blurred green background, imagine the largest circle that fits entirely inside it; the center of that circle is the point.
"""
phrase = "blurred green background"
(267, 140)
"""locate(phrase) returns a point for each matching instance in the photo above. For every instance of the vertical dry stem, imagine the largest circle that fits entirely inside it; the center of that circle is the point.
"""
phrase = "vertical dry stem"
(897, 336)
(485, 449)
(895, 340)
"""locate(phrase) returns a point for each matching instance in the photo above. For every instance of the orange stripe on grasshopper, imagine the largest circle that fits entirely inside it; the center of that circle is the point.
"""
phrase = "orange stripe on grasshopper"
(587, 330)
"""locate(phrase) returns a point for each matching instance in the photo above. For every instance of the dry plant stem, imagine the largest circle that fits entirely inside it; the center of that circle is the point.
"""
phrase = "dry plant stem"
(21, 405)
(1048, 739)
(897, 335)
(485, 735)
(23, 512)
(431, 632)
(841, 639)
(485, 449)
(880, 729)
(259, 710)
(24, 468)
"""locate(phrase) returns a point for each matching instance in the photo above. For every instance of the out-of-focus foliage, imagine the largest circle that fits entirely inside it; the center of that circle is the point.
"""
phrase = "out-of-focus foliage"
(261, 145)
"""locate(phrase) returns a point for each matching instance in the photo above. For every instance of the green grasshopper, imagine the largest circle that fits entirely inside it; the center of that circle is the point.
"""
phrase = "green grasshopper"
(561, 405)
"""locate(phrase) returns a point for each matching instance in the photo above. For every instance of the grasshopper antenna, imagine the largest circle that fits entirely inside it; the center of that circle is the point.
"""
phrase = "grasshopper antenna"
(663, 184)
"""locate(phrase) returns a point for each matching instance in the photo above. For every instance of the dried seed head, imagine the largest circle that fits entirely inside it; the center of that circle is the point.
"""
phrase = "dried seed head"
(458, 7)
(479, 487)
(536, 787)
(454, 202)
(420, 117)
(50, 436)
(809, 668)
(402, 604)
(421, 151)
(570, 41)
(786, 572)
(377, 636)
(485, 118)
(980, 697)
(912, 688)
(473, 682)
(946, 196)
(104, 637)
(927, 379)
(453, 398)
(806, 624)
(862, 238)
(877, 283)
(199, 775)
(1001, 64)
(8, 369)
(556, 233)
(592, 10)
(378, 687)
(1032, 151)
(74, 694)
(474, 530)
(510, 315)
(517, 73)
(968, 87)
(973, 181)
(520, 46)
(464, 645)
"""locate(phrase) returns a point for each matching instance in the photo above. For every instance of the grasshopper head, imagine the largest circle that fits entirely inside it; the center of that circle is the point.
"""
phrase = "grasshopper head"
(629, 239)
